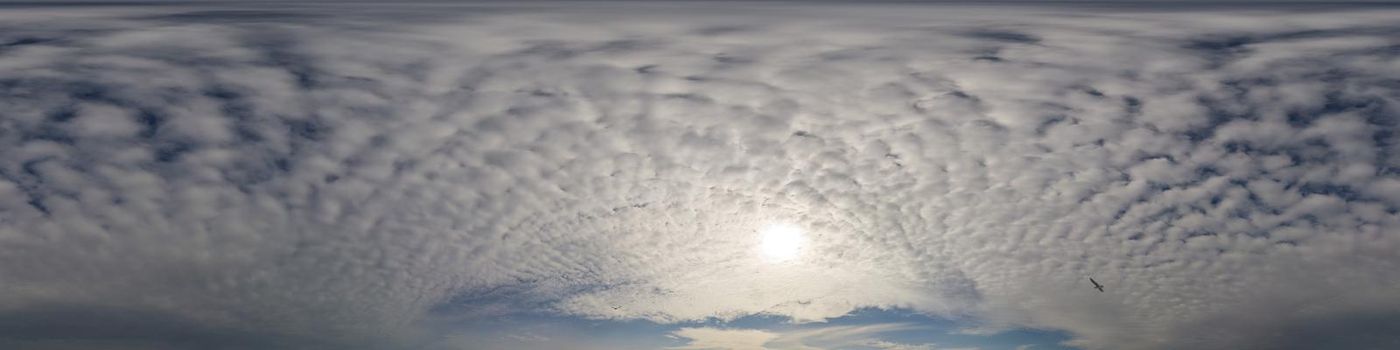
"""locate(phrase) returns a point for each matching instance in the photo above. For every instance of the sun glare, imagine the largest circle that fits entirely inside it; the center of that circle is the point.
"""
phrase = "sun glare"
(781, 242)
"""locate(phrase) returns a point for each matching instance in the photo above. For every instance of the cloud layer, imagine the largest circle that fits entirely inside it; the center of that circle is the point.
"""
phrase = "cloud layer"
(829, 337)
(317, 178)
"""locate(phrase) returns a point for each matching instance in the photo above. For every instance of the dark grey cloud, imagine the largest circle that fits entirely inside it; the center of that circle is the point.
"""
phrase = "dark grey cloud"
(97, 326)
(177, 177)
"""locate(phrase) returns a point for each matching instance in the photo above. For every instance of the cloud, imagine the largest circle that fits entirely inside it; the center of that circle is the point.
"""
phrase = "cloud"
(725, 339)
(826, 337)
(343, 180)
(880, 344)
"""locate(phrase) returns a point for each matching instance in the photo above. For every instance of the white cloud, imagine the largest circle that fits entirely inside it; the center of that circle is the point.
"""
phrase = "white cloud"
(817, 338)
(341, 176)
(724, 339)
(881, 344)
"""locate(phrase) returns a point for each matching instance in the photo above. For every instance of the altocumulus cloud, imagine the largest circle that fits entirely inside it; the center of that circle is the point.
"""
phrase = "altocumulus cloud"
(313, 178)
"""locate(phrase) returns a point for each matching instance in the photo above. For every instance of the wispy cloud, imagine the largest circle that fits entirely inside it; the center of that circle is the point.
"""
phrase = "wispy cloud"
(881, 344)
(819, 338)
(724, 339)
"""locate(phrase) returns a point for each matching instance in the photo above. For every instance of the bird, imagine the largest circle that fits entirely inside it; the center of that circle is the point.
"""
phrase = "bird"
(1096, 284)
(616, 307)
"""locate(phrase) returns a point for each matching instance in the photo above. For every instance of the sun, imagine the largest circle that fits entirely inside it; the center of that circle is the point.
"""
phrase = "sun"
(781, 242)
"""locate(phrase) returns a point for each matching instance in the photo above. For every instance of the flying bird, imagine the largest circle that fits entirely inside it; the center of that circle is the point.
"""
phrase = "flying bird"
(1096, 284)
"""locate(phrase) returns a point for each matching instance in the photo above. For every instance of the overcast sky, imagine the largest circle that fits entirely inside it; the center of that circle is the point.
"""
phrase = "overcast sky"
(455, 176)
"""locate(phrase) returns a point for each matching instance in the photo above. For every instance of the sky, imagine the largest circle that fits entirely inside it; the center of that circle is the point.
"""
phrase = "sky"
(692, 175)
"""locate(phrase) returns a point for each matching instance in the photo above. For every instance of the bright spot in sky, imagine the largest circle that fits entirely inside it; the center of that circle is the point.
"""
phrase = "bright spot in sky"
(781, 242)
